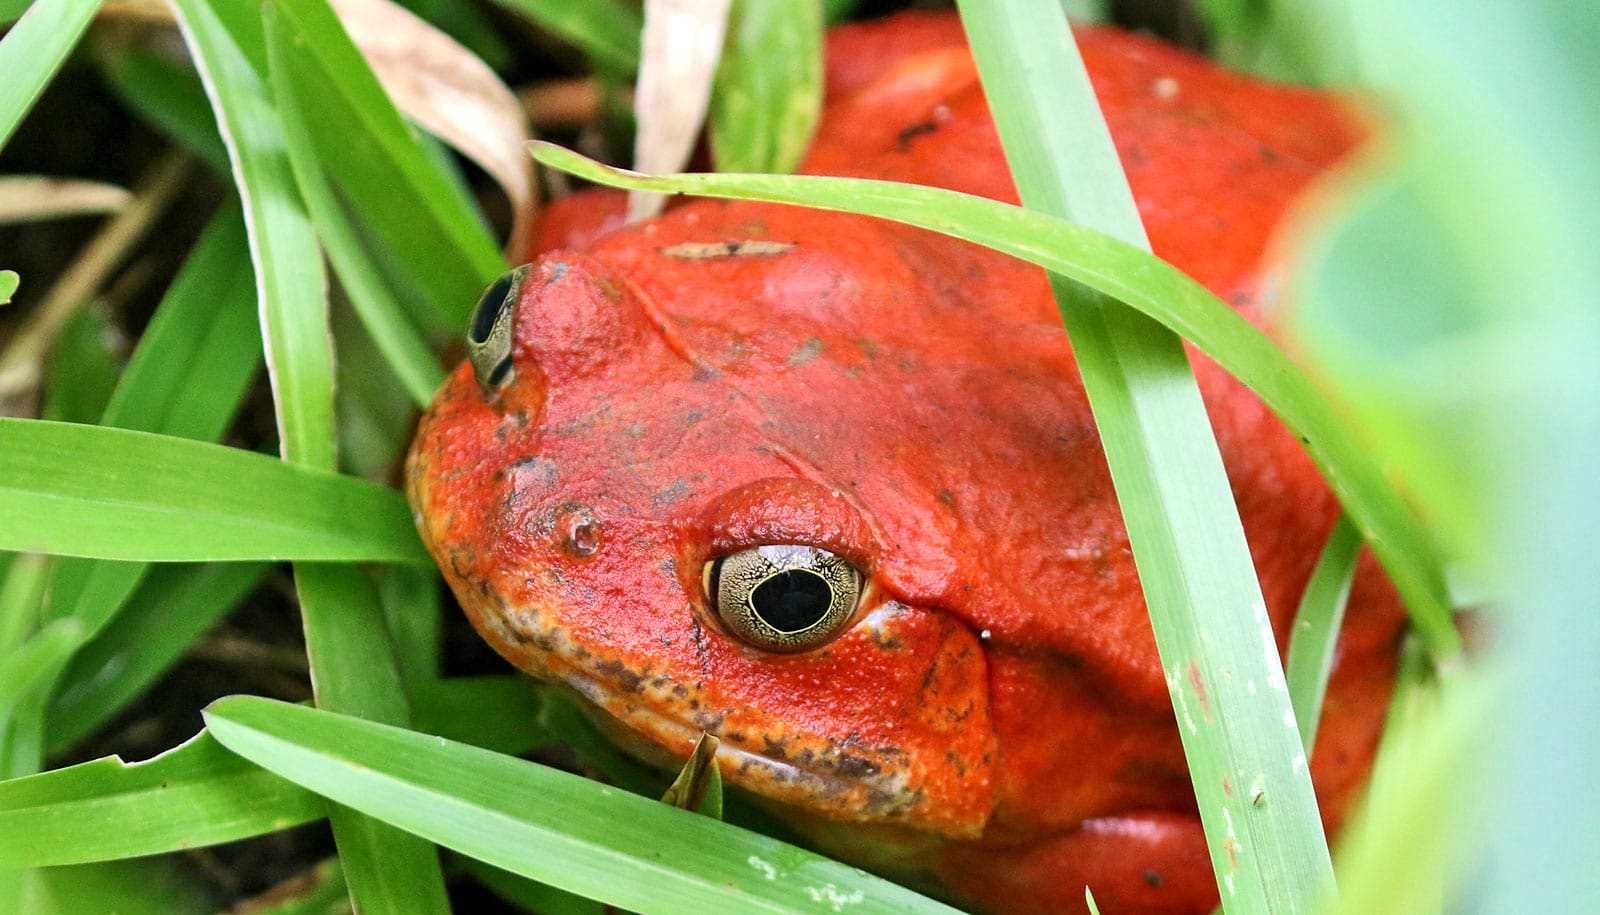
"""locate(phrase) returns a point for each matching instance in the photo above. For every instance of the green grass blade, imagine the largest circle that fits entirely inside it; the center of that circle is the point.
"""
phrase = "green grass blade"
(427, 227)
(32, 51)
(768, 93)
(22, 586)
(196, 359)
(413, 605)
(81, 371)
(172, 608)
(544, 824)
(1199, 582)
(290, 287)
(114, 494)
(35, 663)
(194, 795)
(1316, 627)
(499, 713)
(168, 95)
(114, 886)
(352, 667)
(403, 348)
(605, 30)
(9, 281)
(1141, 281)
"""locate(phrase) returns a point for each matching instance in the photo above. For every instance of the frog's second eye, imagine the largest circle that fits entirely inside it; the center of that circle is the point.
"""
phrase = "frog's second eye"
(783, 598)
(493, 331)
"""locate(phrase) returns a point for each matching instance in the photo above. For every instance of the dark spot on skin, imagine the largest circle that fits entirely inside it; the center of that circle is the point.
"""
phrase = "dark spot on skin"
(947, 497)
(1268, 154)
(856, 767)
(907, 134)
(627, 680)
(1152, 877)
(808, 352)
(681, 691)
(704, 373)
(558, 269)
(775, 749)
(676, 490)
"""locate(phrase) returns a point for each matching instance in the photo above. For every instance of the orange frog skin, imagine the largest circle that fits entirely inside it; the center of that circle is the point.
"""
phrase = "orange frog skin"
(949, 675)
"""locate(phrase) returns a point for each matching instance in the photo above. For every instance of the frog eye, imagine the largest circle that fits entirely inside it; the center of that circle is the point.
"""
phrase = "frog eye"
(783, 598)
(490, 336)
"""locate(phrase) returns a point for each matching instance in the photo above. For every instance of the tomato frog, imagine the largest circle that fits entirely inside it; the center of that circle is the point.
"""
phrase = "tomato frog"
(828, 488)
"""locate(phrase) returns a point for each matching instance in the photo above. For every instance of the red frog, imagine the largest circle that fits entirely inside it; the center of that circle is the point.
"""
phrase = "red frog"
(828, 488)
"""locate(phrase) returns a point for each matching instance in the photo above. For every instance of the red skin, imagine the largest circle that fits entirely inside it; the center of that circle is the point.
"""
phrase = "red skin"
(996, 719)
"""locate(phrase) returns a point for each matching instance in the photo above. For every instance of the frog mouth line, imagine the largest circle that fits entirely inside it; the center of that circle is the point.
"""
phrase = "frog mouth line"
(868, 792)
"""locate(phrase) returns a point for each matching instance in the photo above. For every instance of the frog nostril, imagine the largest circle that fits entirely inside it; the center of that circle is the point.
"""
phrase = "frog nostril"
(580, 531)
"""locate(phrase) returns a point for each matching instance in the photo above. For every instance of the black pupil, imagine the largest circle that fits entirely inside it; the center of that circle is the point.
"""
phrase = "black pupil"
(792, 600)
(489, 305)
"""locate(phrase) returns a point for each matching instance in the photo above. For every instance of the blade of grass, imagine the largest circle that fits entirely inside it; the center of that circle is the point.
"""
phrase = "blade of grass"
(403, 200)
(1141, 281)
(292, 78)
(768, 93)
(36, 662)
(114, 494)
(114, 886)
(414, 606)
(9, 281)
(290, 286)
(173, 606)
(169, 96)
(605, 30)
(1316, 627)
(352, 669)
(193, 795)
(187, 377)
(547, 825)
(32, 51)
(1206, 608)
(499, 713)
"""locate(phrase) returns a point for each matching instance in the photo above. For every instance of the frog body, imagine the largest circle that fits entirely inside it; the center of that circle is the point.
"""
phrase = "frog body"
(991, 720)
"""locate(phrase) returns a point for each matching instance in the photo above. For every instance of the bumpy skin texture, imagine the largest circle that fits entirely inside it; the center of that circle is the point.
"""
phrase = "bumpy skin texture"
(995, 723)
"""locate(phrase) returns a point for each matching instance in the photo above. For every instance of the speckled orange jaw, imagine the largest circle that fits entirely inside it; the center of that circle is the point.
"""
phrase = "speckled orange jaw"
(733, 374)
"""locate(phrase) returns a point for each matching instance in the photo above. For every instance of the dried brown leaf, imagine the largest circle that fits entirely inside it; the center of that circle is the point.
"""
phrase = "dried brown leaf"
(33, 198)
(682, 44)
(449, 92)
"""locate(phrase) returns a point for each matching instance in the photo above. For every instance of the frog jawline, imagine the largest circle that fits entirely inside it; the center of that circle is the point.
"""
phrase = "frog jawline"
(647, 733)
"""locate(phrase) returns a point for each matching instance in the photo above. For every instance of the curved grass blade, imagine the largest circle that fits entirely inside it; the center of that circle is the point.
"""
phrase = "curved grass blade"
(158, 885)
(32, 51)
(1205, 605)
(1316, 627)
(547, 825)
(768, 93)
(293, 78)
(114, 494)
(1143, 282)
(35, 663)
(173, 606)
(429, 230)
(291, 289)
(9, 281)
(169, 96)
(193, 795)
